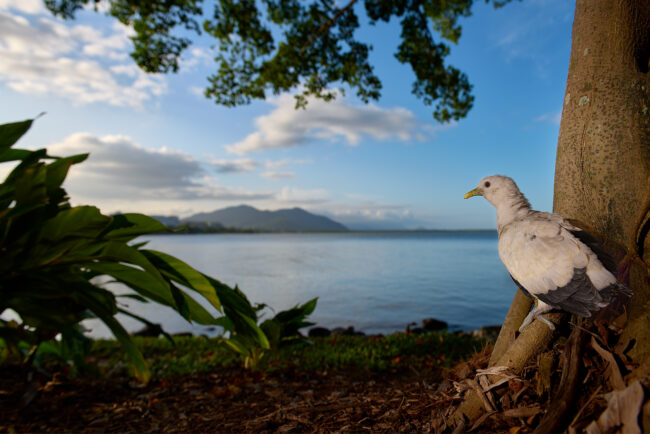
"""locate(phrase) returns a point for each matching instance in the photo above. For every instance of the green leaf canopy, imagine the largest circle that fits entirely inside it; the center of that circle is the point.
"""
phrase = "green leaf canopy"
(275, 46)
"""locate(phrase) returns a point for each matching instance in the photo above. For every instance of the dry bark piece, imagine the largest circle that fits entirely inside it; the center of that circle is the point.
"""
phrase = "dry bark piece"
(523, 411)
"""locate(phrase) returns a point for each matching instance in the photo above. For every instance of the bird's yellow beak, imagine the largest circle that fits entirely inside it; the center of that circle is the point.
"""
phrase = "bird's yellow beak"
(476, 192)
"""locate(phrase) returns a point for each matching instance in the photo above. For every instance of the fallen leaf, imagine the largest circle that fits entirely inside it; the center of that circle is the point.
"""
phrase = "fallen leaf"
(622, 412)
(614, 372)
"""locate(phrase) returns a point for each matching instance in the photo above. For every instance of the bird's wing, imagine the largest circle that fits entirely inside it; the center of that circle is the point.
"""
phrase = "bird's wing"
(549, 262)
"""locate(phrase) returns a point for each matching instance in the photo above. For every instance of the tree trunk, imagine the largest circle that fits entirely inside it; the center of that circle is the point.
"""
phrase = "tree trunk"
(602, 172)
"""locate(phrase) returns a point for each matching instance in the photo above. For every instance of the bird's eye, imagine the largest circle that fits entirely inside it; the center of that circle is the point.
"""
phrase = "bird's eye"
(487, 184)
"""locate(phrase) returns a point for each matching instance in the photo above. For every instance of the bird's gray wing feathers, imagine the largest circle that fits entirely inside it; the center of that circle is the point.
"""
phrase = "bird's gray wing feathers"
(549, 262)
(578, 297)
(596, 247)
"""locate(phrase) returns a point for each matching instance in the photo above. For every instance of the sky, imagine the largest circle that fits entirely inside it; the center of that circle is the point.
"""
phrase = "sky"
(158, 146)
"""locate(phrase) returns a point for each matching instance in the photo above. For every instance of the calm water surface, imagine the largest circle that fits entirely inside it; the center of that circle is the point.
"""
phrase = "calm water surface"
(376, 282)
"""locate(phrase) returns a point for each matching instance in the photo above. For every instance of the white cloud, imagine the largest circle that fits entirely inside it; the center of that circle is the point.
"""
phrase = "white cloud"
(120, 169)
(281, 164)
(296, 196)
(195, 56)
(241, 165)
(364, 213)
(277, 175)
(553, 118)
(40, 55)
(27, 6)
(197, 91)
(287, 127)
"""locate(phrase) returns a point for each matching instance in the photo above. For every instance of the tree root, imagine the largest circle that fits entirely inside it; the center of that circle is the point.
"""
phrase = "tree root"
(534, 339)
(559, 410)
(518, 310)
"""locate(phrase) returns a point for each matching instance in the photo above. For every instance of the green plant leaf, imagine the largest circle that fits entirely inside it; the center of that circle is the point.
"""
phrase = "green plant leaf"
(98, 307)
(30, 186)
(58, 170)
(77, 222)
(137, 297)
(147, 323)
(10, 133)
(256, 333)
(131, 225)
(238, 345)
(118, 251)
(180, 272)
(232, 299)
(138, 363)
(14, 154)
(194, 310)
(141, 281)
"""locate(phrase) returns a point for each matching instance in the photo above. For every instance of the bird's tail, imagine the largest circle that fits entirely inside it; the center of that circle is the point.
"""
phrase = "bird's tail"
(615, 290)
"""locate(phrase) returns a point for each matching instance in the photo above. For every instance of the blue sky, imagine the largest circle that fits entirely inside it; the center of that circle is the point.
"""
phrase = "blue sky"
(158, 146)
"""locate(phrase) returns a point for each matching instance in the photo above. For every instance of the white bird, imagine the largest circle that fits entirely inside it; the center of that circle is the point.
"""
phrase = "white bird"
(559, 264)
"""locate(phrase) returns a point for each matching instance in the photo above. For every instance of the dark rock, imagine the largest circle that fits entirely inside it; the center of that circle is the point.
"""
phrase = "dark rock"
(319, 332)
(413, 330)
(432, 324)
(487, 332)
(340, 331)
(150, 331)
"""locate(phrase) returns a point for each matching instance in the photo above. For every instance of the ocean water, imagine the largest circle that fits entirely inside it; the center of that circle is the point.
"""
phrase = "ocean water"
(376, 282)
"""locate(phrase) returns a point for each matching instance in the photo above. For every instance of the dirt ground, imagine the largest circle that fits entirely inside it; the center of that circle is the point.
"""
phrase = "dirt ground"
(233, 400)
(294, 400)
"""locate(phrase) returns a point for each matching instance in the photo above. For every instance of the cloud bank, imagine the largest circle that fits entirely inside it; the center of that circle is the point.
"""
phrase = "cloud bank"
(242, 165)
(119, 168)
(40, 55)
(286, 127)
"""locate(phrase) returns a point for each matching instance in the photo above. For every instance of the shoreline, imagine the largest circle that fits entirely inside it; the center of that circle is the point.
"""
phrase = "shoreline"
(427, 325)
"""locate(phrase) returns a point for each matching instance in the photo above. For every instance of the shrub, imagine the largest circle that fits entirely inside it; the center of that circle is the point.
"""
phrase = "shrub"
(52, 257)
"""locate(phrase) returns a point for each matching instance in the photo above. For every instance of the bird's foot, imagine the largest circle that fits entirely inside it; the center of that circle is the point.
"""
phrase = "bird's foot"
(529, 318)
(535, 315)
(546, 321)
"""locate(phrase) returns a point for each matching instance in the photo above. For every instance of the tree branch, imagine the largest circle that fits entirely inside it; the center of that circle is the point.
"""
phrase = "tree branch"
(327, 25)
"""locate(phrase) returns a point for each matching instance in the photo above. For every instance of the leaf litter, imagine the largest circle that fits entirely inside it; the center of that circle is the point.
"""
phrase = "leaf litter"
(290, 399)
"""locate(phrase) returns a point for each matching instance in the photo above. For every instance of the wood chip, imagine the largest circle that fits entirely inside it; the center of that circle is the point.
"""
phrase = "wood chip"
(522, 412)
(479, 391)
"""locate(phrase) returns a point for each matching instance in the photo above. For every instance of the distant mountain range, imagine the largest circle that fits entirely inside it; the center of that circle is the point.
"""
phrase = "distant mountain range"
(249, 218)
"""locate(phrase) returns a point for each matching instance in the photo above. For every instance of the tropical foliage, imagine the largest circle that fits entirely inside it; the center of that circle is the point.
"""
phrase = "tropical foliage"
(56, 259)
(281, 330)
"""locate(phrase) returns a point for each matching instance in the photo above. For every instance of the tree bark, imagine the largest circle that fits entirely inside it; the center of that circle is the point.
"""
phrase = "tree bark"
(518, 310)
(602, 172)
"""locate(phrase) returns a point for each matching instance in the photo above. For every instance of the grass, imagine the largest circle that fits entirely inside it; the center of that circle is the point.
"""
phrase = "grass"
(376, 354)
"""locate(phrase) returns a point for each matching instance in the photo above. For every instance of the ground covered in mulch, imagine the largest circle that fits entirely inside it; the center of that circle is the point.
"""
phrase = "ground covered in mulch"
(229, 400)
(232, 399)
(293, 399)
